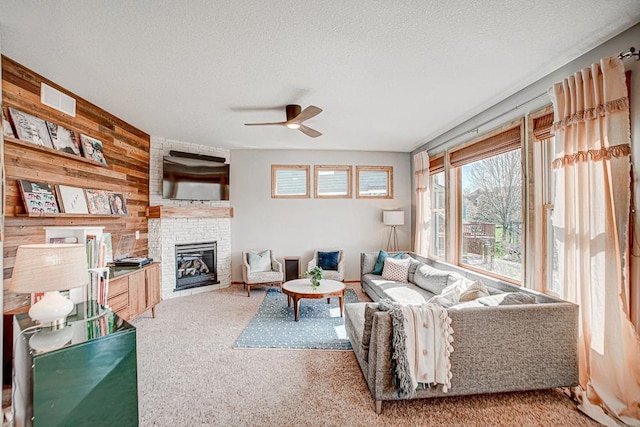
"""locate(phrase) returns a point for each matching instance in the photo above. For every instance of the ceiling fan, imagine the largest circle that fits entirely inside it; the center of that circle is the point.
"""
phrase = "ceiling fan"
(295, 117)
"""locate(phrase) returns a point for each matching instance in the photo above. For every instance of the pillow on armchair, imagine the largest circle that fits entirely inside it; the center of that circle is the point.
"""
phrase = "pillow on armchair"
(328, 260)
(260, 261)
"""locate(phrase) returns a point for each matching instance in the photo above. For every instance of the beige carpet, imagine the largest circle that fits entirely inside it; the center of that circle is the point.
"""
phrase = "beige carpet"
(189, 375)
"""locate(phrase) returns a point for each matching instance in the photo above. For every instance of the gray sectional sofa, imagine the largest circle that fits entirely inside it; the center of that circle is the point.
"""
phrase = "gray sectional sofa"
(496, 348)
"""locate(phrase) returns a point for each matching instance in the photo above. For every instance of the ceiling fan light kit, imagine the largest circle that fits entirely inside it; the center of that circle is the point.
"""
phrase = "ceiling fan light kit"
(295, 117)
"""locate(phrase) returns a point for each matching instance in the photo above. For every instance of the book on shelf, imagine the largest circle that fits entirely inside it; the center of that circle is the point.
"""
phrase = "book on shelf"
(96, 251)
(70, 239)
(109, 247)
(98, 289)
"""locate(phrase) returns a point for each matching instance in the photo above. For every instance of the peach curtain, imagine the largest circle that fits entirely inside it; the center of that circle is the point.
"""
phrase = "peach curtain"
(423, 203)
(590, 220)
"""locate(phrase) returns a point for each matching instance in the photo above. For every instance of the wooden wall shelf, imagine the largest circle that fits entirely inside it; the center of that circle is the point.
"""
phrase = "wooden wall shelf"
(188, 212)
(126, 150)
(55, 152)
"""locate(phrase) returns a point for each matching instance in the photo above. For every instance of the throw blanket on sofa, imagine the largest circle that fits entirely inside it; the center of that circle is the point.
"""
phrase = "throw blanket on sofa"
(420, 346)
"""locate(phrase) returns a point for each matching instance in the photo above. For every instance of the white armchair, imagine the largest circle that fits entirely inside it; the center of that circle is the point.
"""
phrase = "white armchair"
(329, 274)
(258, 269)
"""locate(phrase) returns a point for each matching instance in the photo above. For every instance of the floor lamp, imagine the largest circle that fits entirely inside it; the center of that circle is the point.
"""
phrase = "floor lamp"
(393, 219)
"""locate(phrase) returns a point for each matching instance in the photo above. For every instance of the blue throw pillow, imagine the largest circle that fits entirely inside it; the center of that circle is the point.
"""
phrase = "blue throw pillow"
(328, 260)
(382, 255)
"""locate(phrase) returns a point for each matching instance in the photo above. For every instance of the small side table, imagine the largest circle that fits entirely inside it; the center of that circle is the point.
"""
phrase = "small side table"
(291, 268)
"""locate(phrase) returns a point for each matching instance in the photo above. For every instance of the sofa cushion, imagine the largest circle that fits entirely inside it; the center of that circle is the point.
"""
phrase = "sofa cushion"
(377, 288)
(259, 261)
(413, 266)
(431, 279)
(366, 328)
(468, 304)
(328, 260)
(474, 291)
(407, 295)
(507, 298)
(368, 262)
(382, 255)
(396, 269)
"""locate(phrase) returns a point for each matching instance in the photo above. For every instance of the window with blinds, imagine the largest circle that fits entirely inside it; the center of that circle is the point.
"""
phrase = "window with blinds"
(290, 181)
(490, 191)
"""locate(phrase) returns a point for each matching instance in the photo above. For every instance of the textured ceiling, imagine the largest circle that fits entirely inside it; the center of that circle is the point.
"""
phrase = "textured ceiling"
(389, 75)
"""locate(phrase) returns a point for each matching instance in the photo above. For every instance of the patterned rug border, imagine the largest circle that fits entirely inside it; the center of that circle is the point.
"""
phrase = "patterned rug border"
(273, 327)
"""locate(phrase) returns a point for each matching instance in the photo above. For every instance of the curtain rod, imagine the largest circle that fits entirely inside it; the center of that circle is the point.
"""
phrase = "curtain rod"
(477, 128)
(629, 53)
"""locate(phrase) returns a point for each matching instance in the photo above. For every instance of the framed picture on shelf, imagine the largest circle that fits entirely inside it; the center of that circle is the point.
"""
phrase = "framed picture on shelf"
(92, 149)
(98, 202)
(38, 197)
(30, 128)
(72, 199)
(63, 139)
(118, 205)
(7, 129)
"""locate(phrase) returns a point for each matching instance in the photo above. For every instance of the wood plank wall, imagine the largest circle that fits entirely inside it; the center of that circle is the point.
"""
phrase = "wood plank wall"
(126, 150)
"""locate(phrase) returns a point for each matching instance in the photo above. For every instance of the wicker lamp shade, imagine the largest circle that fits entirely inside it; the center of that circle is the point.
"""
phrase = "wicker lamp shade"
(49, 267)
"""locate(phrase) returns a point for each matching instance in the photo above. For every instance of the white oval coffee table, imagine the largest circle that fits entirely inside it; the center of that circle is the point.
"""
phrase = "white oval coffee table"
(301, 288)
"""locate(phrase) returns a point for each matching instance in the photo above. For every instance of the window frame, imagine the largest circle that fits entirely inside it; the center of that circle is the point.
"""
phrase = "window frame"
(437, 165)
(455, 190)
(387, 169)
(433, 210)
(340, 168)
(274, 181)
(541, 189)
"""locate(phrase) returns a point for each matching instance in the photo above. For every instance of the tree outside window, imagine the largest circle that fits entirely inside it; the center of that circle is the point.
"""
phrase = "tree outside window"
(492, 224)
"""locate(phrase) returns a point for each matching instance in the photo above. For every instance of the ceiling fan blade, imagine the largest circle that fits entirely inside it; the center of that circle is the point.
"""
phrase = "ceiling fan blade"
(309, 132)
(306, 114)
(266, 124)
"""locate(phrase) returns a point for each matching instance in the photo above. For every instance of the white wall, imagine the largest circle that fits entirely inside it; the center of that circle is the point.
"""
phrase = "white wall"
(295, 227)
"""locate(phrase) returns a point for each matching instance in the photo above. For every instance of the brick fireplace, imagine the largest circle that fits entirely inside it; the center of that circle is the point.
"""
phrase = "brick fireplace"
(185, 223)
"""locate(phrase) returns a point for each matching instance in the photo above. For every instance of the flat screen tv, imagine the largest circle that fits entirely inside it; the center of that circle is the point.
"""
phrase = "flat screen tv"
(194, 178)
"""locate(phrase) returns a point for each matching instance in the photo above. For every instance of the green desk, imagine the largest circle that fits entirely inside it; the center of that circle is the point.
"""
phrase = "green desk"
(89, 380)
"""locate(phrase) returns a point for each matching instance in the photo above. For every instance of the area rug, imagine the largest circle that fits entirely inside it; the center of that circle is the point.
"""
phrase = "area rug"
(320, 325)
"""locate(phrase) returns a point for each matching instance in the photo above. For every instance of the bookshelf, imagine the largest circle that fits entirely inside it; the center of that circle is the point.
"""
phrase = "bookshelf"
(77, 234)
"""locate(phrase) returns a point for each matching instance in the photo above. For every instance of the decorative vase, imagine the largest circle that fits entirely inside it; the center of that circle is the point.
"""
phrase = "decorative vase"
(314, 283)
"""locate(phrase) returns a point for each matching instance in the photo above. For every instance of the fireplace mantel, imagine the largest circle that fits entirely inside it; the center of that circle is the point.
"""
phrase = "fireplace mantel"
(188, 212)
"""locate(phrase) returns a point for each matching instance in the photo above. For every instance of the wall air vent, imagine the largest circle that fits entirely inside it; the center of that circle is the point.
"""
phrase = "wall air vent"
(58, 100)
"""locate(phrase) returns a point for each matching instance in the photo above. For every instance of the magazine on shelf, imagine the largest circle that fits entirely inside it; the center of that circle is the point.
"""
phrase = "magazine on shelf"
(72, 199)
(38, 197)
(30, 128)
(7, 130)
(98, 202)
(63, 139)
(92, 149)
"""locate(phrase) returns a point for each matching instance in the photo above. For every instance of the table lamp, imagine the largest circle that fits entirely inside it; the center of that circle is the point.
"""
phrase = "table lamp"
(50, 268)
(393, 219)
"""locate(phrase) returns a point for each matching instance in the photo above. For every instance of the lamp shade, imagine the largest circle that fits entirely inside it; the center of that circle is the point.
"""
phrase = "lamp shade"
(393, 217)
(49, 267)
